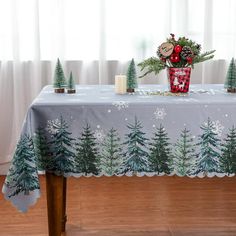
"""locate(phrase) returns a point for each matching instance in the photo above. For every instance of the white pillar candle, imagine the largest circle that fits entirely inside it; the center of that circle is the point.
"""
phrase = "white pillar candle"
(120, 84)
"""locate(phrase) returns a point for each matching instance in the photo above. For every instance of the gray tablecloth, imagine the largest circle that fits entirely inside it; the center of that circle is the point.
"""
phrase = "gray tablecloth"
(97, 132)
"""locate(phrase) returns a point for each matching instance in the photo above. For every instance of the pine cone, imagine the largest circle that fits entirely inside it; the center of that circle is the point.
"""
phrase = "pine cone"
(186, 52)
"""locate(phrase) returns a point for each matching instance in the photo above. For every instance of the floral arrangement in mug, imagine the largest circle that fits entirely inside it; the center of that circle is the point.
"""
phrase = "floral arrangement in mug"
(175, 53)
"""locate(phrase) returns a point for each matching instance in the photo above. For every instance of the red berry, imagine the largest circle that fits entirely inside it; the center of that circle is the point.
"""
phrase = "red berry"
(177, 48)
(174, 57)
(189, 60)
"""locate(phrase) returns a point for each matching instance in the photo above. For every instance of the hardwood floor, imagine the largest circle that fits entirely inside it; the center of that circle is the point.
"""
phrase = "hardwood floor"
(157, 206)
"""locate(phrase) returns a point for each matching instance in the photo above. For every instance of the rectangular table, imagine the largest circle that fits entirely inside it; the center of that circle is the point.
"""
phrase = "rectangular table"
(96, 132)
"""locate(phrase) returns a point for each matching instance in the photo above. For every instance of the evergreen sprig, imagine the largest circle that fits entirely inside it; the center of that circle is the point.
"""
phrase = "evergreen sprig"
(152, 64)
(203, 57)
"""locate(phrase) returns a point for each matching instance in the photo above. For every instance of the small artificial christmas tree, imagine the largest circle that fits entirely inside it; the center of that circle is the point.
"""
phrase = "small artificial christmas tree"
(86, 160)
(71, 84)
(160, 152)
(228, 159)
(136, 157)
(62, 150)
(208, 157)
(184, 154)
(230, 82)
(59, 78)
(131, 77)
(41, 149)
(23, 176)
(110, 161)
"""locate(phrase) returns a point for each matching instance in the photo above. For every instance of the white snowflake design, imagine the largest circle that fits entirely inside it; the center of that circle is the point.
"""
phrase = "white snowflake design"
(99, 135)
(52, 126)
(218, 127)
(121, 104)
(160, 113)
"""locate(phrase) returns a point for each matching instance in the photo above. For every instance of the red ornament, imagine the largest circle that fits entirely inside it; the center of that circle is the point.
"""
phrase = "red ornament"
(189, 60)
(174, 58)
(177, 48)
(163, 59)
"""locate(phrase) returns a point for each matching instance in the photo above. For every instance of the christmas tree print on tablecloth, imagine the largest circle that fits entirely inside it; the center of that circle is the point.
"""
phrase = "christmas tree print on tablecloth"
(62, 149)
(22, 176)
(230, 82)
(41, 149)
(59, 78)
(87, 153)
(184, 154)
(228, 158)
(111, 154)
(136, 156)
(160, 152)
(131, 77)
(208, 157)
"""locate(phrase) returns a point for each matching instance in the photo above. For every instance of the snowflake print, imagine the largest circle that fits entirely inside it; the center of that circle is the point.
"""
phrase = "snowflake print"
(121, 104)
(160, 113)
(218, 127)
(52, 126)
(99, 135)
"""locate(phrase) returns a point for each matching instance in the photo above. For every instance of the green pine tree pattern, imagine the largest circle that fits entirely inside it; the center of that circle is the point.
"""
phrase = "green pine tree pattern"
(59, 77)
(131, 76)
(111, 154)
(228, 158)
(62, 149)
(230, 81)
(87, 158)
(208, 157)
(160, 152)
(71, 82)
(23, 176)
(41, 149)
(136, 156)
(184, 154)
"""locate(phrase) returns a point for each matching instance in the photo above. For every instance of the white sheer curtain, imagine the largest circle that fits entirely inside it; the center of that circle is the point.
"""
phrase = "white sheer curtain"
(95, 39)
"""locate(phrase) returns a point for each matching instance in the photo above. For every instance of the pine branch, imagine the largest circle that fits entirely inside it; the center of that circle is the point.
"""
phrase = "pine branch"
(152, 64)
(204, 57)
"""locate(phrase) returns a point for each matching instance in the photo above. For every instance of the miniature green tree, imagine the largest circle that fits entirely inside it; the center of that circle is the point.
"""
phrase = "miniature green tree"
(59, 77)
(110, 160)
(136, 157)
(228, 159)
(208, 157)
(131, 77)
(184, 154)
(71, 84)
(230, 82)
(41, 149)
(86, 160)
(62, 149)
(160, 152)
(23, 175)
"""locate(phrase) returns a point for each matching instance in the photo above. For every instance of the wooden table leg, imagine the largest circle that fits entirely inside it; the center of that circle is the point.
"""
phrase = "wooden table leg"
(64, 216)
(56, 188)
